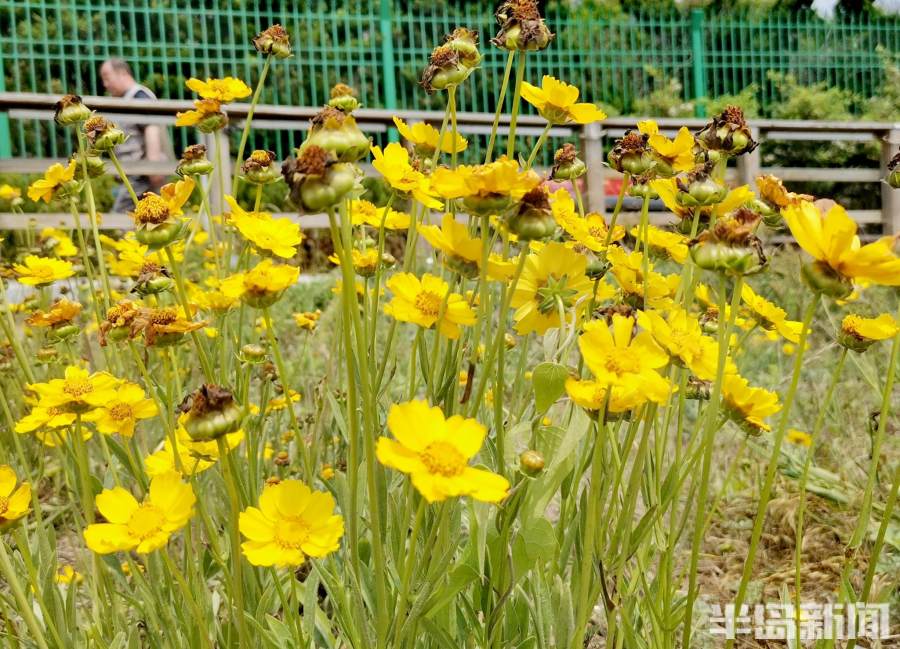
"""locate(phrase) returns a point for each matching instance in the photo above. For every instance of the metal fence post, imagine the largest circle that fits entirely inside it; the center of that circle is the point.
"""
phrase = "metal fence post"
(890, 197)
(5, 139)
(698, 62)
(592, 148)
(388, 60)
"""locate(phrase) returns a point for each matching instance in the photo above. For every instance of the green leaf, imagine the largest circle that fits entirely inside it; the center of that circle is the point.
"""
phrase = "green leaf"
(549, 383)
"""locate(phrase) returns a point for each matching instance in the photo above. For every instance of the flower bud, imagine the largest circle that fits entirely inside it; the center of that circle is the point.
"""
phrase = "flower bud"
(194, 162)
(273, 41)
(731, 245)
(727, 133)
(823, 279)
(65, 332)
(534, 218)
(102, 134)
(260, 168)
(531, 463)
(566, 164)
(253, 353)
(70, 110)
(465, 43)
(521, 27)
(893, 177)
(445, 69)
(315, 180)
(597, 269)
(211, 413)
(631, 154)
(343, 97)
(338, 134)
(698, 189)
(640, 186)
(161, 236)
(282, 459)
(153, 279)
(47, 354)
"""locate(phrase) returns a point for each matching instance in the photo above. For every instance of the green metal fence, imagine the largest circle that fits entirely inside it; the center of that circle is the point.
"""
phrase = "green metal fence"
(57, 46)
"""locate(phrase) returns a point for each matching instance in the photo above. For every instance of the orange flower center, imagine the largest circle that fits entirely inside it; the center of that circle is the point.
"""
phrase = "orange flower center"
(146, 521)
(151, 209)
(597, 231)
(291, 533)
(120, 411)
(429, 303)
(622, 363)
(77, 387)
(443, 459)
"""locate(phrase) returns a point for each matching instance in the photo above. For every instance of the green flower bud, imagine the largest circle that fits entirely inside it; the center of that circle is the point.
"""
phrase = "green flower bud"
(531, 463)
(161, 235)
(893, 177)
(631, 154)
(566, 164)
(253, 353)
(823, 279)
(211, 413)
(71, 111)
(275, 41)
(194, 162)
(343, 97)
(534, 218)
(64, 332)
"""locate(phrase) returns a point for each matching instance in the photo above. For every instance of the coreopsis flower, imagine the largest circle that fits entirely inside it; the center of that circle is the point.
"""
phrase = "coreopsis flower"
(727, 133)
(15, 497)
(770, 316)
(553, 280)
(366, 261)
(619, 358)
(193, 456)
(67, 575)
(838, 258)
(223, 90)
(207, 116)
(291, 523)
(210, 412)
(78, 391)
(120, 415)
(773, 192)
(37, 271)
(462, 252)
(487, 189)
(71, 110)
(308, 320)
(521, 26)
(556, 101)
(632, 154)
(566, 163)
(194, 162)
(9, 193)
(748, 406)
(859, 333)
(156, 215)
(671, 155)
(667, 244)
(56, 178)
(213, 300)
(316, 179)
(118, 323)
(798, 437)
(57, 242)
(262, 285)
(363, 212)
(279, 237)
(46, 420)
(274, 41)
(590, 231)
(592, 396)
(393, 164)
(60, 314)
(435, 452)
(426, 139)
(161, 326)
(103, 135)
(142, 527)
(628, 270)
(680, 335)
(426, 302)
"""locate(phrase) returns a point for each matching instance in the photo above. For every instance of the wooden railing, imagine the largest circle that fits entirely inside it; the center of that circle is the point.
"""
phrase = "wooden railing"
(593, 136)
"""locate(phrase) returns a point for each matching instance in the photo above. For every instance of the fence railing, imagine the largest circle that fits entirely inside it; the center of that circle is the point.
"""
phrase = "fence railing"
(380, 47)
(35, 106)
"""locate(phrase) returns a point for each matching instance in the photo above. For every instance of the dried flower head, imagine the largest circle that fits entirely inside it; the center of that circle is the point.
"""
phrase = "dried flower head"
(274, 41)
(71, 110)
(521, 26)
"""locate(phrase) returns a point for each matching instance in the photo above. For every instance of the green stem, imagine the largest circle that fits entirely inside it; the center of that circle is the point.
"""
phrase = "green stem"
(517, 93)
(123, 176)
(503, 87)
(408, 570)
(618, 208)
(25, 609)
(183, 299)
(237, 592)
(538, 145)
(95, 228)
(246, 132)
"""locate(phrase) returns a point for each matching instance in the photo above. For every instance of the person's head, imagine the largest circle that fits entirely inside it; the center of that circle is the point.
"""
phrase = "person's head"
(116, 77)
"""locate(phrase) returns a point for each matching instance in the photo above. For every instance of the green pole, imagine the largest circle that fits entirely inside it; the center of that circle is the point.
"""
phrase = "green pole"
(387, 59)
(5, 141)
(698, 62)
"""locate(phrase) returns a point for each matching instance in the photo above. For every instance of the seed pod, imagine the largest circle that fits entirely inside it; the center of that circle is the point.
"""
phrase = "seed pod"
(338, 134)
(893, 177)
(727, 133)
(698, 189)
(343, 97)
(211, 413)
(70, 110)
(102, 134)
(260, 168)
(534, 218)
(194, 162)
(521, 27)
(273, 40)
(566, 164)
(631, 154)
(531, 462)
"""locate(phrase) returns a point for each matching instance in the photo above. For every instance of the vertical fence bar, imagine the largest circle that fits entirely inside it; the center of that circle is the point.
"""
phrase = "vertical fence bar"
(698, 62)
(387, 60)
(5, 141)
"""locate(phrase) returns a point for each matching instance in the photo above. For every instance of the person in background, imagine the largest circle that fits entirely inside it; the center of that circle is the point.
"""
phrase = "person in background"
(144, 142)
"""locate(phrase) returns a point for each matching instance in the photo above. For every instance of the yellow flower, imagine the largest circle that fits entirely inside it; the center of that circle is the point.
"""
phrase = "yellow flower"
(425, 137)
(15, 501)
(363, 212)
(627, 268)
(680, 335)
(551, 280)
(308, 319)
(37, 271)
(327, 472)
(365, 262)
(223, 90)
(142, 527)
(194, 457)
(62, 242)
(462, 252)
(499, 178)
(421, 302)
(748, 405)
(667, 188)
(68, 575)
(278, 236)
(154, 210)
(673, 244)
(555, 101)
(435, 452)
(120, 415)
(213, 300)
(858, 333)
(798, 437)
(280, 402)
(591, 395)
(291, 523)
(590, 231)
(773, 191)
(45, 419)
(393, 164)
(8, 192)
(831, 239)
(78, 391)
(770, 316)
(203, 109)
(618, 358)
(42, 189)
(262, 285)
(678, 153)
(61, 312)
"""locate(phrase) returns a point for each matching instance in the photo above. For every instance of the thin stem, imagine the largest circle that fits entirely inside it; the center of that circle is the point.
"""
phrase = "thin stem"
(517, 93)
(618, 208)
(182, 297)
(25, 609)
(246, 132)
(408, 570)
(237, 592)
(538, 145)
(123, 176)
(503, 86)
